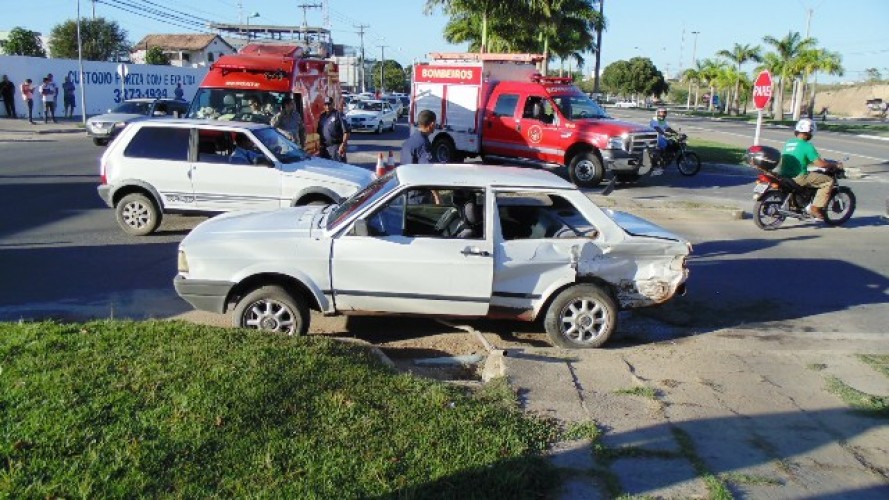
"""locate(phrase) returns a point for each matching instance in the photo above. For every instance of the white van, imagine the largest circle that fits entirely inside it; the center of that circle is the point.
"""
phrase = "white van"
(206, 167)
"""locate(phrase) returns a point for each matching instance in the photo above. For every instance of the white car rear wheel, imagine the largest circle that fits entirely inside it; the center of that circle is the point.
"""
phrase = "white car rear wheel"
(583, 316)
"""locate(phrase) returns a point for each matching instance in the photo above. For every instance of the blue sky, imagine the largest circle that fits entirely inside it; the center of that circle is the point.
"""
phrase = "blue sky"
(857, 29)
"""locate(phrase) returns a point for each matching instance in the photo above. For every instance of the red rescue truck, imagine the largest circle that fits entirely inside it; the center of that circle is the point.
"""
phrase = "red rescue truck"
(499, 107)
(265, 74)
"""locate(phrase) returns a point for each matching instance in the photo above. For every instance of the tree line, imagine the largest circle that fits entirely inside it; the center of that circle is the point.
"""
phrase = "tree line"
(101, 40)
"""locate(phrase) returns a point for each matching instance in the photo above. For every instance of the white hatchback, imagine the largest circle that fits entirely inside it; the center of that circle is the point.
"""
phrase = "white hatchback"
(207, 167)
(374, 115)
(454, 240)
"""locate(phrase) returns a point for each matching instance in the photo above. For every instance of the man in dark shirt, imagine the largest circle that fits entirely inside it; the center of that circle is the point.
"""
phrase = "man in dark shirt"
(417, 149)
(333, 132)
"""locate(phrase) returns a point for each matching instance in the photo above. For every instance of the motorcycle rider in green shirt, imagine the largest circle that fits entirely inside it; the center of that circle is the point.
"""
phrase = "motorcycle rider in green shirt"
(798, 155)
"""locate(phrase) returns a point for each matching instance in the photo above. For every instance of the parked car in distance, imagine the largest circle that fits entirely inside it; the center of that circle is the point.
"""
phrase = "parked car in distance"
(158, 167)
(103, 128)
(373, 115)
(395, 104)
(626, 104)
(454, 240)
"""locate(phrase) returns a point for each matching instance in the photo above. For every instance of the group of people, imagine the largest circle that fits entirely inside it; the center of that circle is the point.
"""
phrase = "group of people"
(48, 93)
(800, 159)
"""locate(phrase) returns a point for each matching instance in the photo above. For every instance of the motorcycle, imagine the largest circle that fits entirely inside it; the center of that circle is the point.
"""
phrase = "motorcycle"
(687, 161)
(779, 198)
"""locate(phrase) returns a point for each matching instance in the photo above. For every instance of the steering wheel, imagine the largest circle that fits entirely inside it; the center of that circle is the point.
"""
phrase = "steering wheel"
(445, 220)
(583, 114)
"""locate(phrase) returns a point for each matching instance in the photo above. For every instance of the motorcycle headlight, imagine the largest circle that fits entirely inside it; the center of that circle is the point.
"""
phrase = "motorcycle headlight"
(617, 142)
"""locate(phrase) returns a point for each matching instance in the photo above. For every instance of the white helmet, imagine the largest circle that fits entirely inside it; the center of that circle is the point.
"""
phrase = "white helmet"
(805, 126)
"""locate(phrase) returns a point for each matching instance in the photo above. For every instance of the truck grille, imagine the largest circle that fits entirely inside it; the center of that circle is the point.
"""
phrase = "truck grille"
(638, 142)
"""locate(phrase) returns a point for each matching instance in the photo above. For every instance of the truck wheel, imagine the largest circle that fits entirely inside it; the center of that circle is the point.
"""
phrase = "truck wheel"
(100, 142)
(272, 309)
(137, 214)
(444, 151)
(583, 316)
(586, 170)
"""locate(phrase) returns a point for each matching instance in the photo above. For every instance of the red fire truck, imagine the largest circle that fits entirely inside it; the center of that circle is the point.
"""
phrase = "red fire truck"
(264, 74)
(499, 107)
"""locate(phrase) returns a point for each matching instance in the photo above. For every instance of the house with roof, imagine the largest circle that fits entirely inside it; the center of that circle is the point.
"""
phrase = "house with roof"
(187, 51)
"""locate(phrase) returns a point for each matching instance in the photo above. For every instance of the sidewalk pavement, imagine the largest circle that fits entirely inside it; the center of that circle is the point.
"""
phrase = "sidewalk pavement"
(734, 411)
(19, 130)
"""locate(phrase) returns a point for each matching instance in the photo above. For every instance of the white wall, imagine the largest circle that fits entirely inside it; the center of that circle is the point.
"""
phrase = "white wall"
(103, 86)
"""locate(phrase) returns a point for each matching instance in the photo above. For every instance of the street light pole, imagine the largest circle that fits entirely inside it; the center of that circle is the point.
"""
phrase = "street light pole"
(80, 66)
(382, 65)
(694, 48)
(598, 46)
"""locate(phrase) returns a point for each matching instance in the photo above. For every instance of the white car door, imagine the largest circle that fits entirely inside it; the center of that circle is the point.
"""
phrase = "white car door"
(416, 260)
(224, 181)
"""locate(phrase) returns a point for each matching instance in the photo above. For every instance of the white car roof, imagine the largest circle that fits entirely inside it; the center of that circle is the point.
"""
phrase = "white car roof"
(190, 122)
(479, 175)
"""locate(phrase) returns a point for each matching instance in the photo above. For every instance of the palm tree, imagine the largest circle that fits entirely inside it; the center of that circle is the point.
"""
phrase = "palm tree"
(692, 76)
(570, 25)
(709, 73)
(483, 9)
(787, 49)
(822, 60)
(739, 54)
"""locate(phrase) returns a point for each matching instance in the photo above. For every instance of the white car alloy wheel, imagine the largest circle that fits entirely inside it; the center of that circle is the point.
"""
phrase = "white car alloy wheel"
(137, 215)
(582, 316)
(272, 309)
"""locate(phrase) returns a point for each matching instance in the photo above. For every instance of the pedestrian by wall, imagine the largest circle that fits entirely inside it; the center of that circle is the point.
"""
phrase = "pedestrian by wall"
(48, 91)
(27, 91)
(7, 91)
(69, 99)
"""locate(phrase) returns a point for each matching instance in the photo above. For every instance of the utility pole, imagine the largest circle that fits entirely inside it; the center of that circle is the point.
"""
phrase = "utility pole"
(598, 46)
(361, 28)
(382, 66)
(305, 7)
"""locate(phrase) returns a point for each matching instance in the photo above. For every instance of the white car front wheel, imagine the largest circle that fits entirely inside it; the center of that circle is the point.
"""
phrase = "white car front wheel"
(272, 309)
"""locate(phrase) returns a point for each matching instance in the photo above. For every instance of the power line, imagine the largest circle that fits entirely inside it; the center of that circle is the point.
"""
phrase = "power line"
(152, 13)
(137, 12)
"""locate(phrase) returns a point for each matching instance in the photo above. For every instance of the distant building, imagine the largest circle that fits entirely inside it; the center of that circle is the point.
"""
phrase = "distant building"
(184, 50)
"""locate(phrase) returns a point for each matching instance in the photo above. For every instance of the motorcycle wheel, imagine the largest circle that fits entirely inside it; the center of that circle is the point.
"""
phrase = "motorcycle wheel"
(839, 207)
(766, 213)
(689, 163)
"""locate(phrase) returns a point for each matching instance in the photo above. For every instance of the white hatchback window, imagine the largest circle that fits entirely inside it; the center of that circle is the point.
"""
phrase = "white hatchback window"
(529, 216)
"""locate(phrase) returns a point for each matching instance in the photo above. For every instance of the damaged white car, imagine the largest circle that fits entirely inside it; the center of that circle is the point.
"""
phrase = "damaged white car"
(454, 240)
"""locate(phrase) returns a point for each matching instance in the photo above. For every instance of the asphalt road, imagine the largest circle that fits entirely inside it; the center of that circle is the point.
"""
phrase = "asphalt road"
(63, 256)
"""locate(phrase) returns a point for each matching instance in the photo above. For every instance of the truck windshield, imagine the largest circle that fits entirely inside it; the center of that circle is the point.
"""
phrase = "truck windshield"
(284, 150)
(238, 105)
(579, 107)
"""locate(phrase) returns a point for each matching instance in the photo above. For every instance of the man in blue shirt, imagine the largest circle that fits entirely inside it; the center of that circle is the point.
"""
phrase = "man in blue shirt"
(417, 149)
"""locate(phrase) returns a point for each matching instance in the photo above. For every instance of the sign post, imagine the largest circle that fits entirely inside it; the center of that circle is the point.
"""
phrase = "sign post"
(762, 94)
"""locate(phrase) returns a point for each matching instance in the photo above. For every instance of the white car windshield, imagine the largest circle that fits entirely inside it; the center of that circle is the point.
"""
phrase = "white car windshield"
(371, 193)
(283, 149)
(133, 108)
(369, 106)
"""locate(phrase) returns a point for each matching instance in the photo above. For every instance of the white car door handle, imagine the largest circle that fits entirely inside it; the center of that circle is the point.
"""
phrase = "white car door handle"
(475, 251)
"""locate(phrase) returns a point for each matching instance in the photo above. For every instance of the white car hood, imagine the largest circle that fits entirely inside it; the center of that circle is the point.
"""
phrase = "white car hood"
(638, 226)
(298, 221)
(365, 114)
(116, 117)
(332, 170)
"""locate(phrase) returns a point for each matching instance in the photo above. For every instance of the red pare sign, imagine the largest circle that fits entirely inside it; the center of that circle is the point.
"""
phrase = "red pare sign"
(762, 90)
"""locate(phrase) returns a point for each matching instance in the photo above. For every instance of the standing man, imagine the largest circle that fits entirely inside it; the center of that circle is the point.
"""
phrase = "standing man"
(798, 154)
(333, 132)
(7, 91)
(48, 92)
(290, 123)
(68, 89)
(28, 96)
(179, 93)
(417, 149)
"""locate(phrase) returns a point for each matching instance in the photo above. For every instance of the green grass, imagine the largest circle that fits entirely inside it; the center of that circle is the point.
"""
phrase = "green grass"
(716, 485)
(879, 362)
(639, 390)
(869, 404)
(716, 152)
(169, 409)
